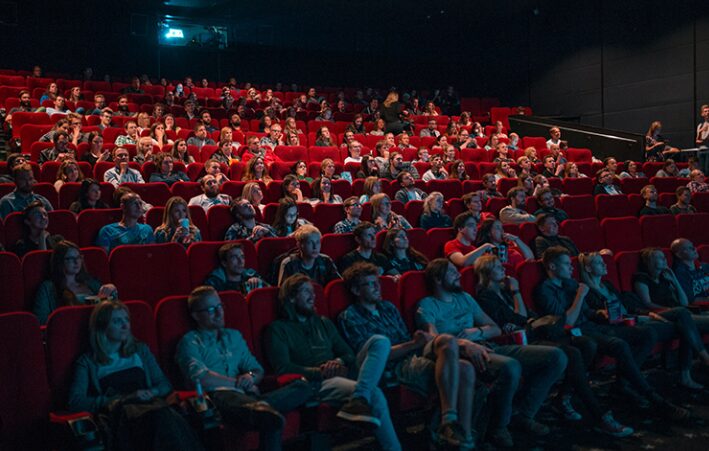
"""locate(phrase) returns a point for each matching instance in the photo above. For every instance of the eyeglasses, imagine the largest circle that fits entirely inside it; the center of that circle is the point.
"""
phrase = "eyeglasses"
(211, 310)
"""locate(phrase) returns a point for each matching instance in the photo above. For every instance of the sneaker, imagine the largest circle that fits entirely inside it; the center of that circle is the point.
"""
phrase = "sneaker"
(530, 426)
(450, 434)
(609, 425)
(566, 409)
(669, 410)
(502, 438)
(359, 410)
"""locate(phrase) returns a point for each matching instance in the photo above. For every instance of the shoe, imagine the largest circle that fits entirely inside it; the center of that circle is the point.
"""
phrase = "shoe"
(359, 410)
(502, 438)
(530, 426)
(566, 409)
(609, 425)
(450, 434)
(627, 392)
(264, 416)
(667, 409)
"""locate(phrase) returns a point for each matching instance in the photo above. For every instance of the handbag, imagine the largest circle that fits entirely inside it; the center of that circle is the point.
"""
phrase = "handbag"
(547, 327)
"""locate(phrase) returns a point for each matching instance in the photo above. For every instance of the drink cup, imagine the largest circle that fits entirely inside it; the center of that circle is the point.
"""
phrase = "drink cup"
(519, 337)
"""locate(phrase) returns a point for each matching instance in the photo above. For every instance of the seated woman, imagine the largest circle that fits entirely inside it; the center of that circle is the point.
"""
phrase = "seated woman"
(34, 231)
(300, 170)
(433, 214)
(372, 186)
(383, 217)
(571, 171)
(89, 197)
(510, 249)
(165, 170)
(655, 147)
(368, 168)
(322, 192)
(631, 171)
(96, 151)
(323, 137)
(256, 171)
(327, 169)
(69, 283)
(286, 220)
(252, 192)
(68, 172)
(457, 171)
(292, 138)
(225, 153)
(177, 224)
(157, 132)
(180, 153)
(401, 255)
(379, 126)
(526, 182)
(119, 373)
(667, 323)
(290, 189)
(170, 124)
(499, 297)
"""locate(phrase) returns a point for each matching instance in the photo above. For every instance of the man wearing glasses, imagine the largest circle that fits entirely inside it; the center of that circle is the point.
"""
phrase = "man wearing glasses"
(121, 173)
(353, 211)
(219, 359)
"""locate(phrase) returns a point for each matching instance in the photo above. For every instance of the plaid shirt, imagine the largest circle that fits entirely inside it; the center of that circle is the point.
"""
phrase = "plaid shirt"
(322, 271)
(358, 324)
(345, 226)
(239, 231)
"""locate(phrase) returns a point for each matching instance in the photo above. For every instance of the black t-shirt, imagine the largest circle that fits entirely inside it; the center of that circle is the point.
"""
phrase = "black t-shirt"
(660, 291)
(376, 259)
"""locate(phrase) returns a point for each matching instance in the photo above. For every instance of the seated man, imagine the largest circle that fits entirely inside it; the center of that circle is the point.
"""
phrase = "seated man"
(419, 362)
(232, 274)
(515, 213)
(437, 172)
(422, 156)
(462, 251)
(254, 149)
(692, 164)
(559, 294)
(605, 184)
(649, 195)
(200, 138)
(489, 188)
(408, 190)
(450, 310)
(692, 275)
(366, 237)
(302, 342)
(697, 182)
(206, 119)
(23, 195)
(60, 149)
(545, 199)
(353, 210)
(218, 359)
(684, 202)
(555, 137)
(210, 194)
(212, 167)
(307, 259)
(431, 130)
(396, 166)
(245, 226)
(131, 136)
(548, 228)
(121, 173)
(274, 138)
(59, 106)
(128, 230)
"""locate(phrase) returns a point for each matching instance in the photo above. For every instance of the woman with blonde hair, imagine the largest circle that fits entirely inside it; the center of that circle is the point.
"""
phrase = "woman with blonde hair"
(69, 172)
(433, 213)
(252, 192)
(143, 122)
(257, 171)
(383, 217)
(372, 186)
(177, 226)
(655, 147)
(391, 109)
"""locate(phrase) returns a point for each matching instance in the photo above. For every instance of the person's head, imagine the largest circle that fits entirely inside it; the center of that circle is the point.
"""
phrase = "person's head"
(109, 325)
(232, 258)
(362, 281)
(24, 178)
(545, 198)
(549, 163)
(131, 128)
(206, 308)
(25, 98)
(605, 177)
(327, 168)
(369, 166)
(501, 149)
(557, 263)
(526, 182)
(256, 169)
(205, 117)
(611, 164)
(323, 132)
(145, 145)
(489, 182)
(405, 179)
(308, 239)
(354, 148)
(684, 250)
(143, 120)
(697, 176)
(289, 186)
(175, 211)
(253, 193)
(59, 102)
(299, 169)
(132, 206)
(212, 167)
(517, 197)
(472, 202)
(433, 204)
(298, 291)
(442, 276)
(571, 170)
(684, 195)
(352, 207)
(66, 260)
(35, 217)
(652, 261)
(436, 162)
(424, 155)
(69, 171)
(547, 225)
(89, 191)
(321, 186)
(242, 210)
(489, 270)
(286, 214)
(491, 231)
(458, 170)
(37, 71)
(106, 117)
(275, 132)
(591, 265)
(200, 131)
(209, 185)
(466, 226)
(381, 205)
(649, 193)
(61, 141)
(670, 167)
(226, 134)
(555, 133)
(372, 186)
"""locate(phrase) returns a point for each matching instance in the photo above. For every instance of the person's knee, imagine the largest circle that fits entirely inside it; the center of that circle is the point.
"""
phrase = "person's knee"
(557, 359)
(510, 370)
(378, 343)
(446, 346)
(467, 373)
(620, 349)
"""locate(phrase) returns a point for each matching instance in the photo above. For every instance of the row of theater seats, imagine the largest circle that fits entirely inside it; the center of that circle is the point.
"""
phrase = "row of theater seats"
(151, 271)
(38, 379)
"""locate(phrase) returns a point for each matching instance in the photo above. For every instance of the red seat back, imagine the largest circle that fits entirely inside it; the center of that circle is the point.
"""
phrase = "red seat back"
(622, 234)
(608, 206)
(694, 227)
(579, 207)
(91, 221)
(203, 257)
(577, 186)
(529, 274)
(219, 219)
(325, 216)
(658, 230)
(437, 238)
(267, 249)
(412, 288)
(585, 233)
(12, 294)
(335, 245)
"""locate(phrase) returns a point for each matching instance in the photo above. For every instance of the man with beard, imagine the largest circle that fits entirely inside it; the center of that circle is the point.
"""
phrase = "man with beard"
(211, 196)
(232, 273)
(220, 360)
(60, 149)
(24, 107)
(515, 213)
(131, 134)
(123, 108)
(23, 195)
(419, 362)
(303, 342)
(450, 310)
(245, 226)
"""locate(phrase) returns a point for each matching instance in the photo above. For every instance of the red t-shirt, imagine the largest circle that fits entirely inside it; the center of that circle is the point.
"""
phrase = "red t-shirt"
(514, 256)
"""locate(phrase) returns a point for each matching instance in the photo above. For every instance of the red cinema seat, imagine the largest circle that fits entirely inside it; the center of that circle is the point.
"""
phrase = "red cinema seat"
(608, 206)
(668, 184)
(67, 338)
(701, 202)
(91, 221)
(341, 187)
(69, 193)
(538, 142)
(468, 280)
(153, 193)
(325, 216)
(529, 274)
(338, 298)
(203, 257)
(703, 253)
(454, 207)
(318, 153)
(12, 295)
(622, 234)
(626, 265)
(268, 249)
(263, 310)
(150, 271)
(291, 153)
(579, 154)
(336, 245)
(658, 230)
(450, 188)
(694, 227)
(495, 204)
(186, 190)
(585, 233)
(437, 239)
(412, 212)
(412, 288)
(506, 184)
(219, 219)
(476, 154)
(47, 190)
(577, 186)
(25, 396)
(579, 207)
(633, 186)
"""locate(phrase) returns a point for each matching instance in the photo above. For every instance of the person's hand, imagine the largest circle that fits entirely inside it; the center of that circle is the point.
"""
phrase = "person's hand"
(421, 337)
(488, 247)
(607, 252)
(512, 283)
(143, 395)
(582, 290)
(245, 382)
(123, 167)
(656, 317)
(253, 283)
(509, 328)
(603, 313)
(332, 368)
(380, 222)
(104, 155)
(509, 237)
(108, 291)
(477, 354)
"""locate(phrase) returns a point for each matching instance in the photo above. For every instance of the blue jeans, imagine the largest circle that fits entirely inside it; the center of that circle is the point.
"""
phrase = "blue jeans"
(540, 366)
(372, 359)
